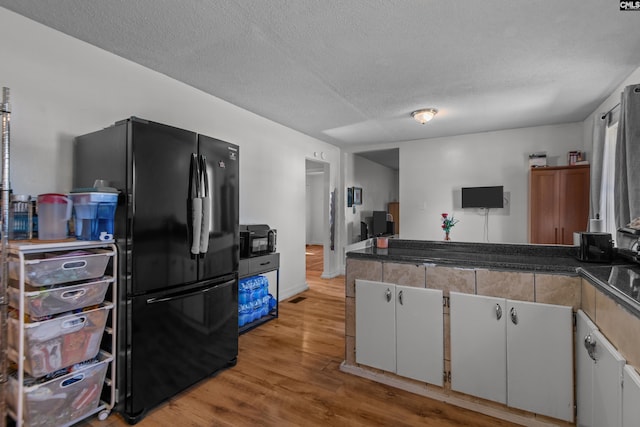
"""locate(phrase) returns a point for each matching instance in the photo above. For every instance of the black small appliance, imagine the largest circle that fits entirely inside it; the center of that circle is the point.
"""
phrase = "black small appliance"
(595, 247)
(256, 240)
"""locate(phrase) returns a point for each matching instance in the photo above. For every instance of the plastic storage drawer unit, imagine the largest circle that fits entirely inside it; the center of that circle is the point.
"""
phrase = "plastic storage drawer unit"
(41, 302)
(63, 399)
(61, 341)
(56, 268)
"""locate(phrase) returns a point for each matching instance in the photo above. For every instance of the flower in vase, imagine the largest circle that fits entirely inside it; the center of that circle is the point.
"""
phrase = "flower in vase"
(448, 222)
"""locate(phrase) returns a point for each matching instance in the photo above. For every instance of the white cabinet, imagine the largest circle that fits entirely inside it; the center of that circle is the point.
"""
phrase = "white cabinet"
(630, 397)
(584, 370)
(400, 329)
(419, 334)
(599, 377)
(478, 346)
(376, 325)
(540, 358)
(512, 352)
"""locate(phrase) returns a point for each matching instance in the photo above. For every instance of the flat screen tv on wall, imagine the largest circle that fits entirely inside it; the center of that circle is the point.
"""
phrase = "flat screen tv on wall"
(483, 197)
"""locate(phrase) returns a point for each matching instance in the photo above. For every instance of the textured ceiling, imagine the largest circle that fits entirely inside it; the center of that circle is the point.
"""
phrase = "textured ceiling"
(350, 72)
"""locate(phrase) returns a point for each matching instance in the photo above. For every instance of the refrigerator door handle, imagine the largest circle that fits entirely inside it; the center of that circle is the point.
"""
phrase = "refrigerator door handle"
(196, 204)
(206, 207)
(181, 295)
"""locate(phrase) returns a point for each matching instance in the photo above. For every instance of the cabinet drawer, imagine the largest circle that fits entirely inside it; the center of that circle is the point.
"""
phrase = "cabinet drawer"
(62, 399)
(264, 263)
(62, 341)
(243, 268)
(41, 302)
(48, 269)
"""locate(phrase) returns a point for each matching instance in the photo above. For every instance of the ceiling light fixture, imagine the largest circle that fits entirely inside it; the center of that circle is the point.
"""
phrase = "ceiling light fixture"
(423, 116)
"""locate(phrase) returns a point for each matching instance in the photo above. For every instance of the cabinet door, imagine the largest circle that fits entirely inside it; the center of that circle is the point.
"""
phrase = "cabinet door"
(478, 346)
(584, 369)
(607, 383)
(376, 325)
(630, 398)
(419, 334)
(543, 206)
(574, 203)
(540, 358)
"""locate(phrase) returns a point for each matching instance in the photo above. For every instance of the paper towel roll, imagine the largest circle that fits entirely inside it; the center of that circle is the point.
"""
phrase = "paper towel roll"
(596, 226)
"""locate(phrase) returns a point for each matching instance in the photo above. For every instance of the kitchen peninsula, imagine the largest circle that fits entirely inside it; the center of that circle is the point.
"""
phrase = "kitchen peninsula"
(488, 327)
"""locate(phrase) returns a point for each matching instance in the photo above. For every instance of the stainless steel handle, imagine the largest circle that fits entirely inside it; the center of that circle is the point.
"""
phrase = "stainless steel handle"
(590, 345)
(181, 295)
(206, 206)
(388, 294)
(514, 315)
(498, 312)
(400, 298)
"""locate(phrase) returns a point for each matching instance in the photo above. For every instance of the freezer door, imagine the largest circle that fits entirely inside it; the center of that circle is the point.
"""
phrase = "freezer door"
(222, 252)
(177, 339)
(161, 236)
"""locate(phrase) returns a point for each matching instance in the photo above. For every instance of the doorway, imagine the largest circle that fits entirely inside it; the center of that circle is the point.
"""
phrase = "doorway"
(317, 216)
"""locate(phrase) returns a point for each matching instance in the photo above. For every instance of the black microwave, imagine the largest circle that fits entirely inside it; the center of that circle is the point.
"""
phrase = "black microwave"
(256, 240)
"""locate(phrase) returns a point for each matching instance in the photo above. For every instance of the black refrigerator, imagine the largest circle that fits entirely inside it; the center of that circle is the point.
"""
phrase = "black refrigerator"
(176, 229)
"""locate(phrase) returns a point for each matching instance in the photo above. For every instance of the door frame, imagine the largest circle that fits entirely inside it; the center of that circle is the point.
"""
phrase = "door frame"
(324, 168)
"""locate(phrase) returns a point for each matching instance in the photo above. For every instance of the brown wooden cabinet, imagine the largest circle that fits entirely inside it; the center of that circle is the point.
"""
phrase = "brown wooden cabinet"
(558, 203)
(394, 209)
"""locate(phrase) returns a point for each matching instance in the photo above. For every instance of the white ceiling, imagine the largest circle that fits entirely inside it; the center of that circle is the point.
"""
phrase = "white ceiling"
(350, 72)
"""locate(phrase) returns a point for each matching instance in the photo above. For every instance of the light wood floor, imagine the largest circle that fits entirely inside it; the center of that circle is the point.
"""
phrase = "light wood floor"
(288, 375)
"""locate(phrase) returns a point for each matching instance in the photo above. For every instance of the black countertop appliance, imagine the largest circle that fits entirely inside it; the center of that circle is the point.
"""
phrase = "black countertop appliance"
(256, 240)
(176, 231)
(595, 247)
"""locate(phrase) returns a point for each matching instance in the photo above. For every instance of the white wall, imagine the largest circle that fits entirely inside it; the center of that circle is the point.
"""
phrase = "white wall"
(379, 186)
(62, 87)
(433, 171)
(315, 210)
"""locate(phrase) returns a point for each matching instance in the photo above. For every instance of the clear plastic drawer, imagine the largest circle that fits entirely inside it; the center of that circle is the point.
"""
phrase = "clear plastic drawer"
(41, 302)
(62, 399)
(61, 267)
(62, 341)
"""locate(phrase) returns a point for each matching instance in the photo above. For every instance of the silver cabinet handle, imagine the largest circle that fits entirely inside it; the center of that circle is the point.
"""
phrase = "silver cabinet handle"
(498, 312)
(514, 315)
(388, 294)
(400, 298)
(590, 345)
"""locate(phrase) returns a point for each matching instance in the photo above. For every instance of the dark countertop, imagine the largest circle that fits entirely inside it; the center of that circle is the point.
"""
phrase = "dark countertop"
(619, 279)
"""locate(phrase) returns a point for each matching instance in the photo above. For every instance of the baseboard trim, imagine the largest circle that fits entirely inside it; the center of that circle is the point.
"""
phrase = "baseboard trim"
(293, 291)
(442, 397)
(330, 275)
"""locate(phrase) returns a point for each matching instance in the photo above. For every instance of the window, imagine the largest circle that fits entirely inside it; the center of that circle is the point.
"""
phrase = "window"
(607, 205)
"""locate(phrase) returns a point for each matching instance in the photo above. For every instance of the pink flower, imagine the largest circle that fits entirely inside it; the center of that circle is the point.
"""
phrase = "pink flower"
(448, 223)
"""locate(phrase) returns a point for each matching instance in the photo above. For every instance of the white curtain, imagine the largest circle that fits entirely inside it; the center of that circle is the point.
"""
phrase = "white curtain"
(627, 178)
(603, 169)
